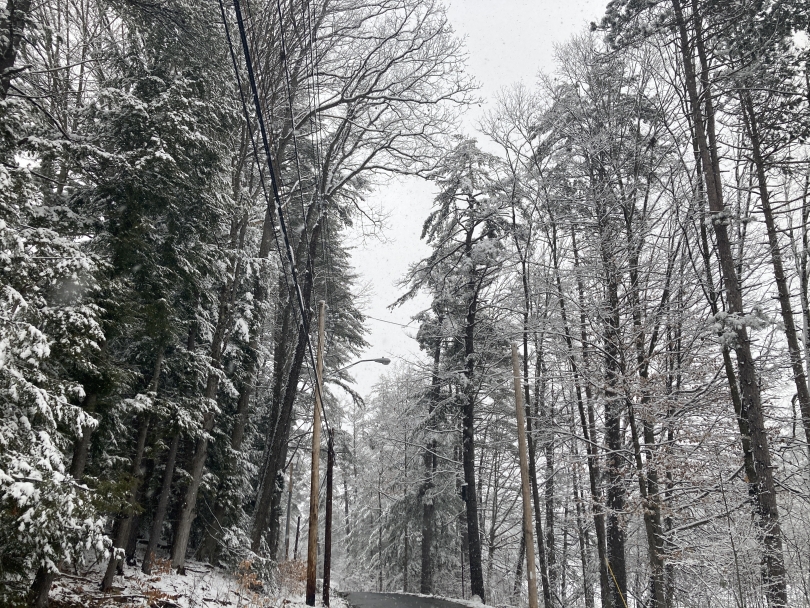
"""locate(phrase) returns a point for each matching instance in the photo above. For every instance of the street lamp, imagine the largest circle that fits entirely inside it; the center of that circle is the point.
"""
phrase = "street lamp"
(381, 360)
(330, 463)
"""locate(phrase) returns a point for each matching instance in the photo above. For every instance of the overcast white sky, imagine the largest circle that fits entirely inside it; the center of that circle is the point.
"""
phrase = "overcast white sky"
(508, 41)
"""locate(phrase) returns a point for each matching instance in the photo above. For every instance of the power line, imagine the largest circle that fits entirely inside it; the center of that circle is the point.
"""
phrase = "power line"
(390, 322)
(316, 198)
(275, 188)
(254, 147)
(296, 155)
(311, 106)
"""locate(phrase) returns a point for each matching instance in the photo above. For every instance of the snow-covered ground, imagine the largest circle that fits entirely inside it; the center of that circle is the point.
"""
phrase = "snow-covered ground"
(203, 586)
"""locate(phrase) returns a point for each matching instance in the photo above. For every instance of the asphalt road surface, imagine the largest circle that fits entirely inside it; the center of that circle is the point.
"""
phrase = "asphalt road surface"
(396, 600)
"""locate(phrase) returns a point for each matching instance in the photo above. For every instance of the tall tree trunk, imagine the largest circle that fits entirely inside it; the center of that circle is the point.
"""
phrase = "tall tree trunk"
(542, 541)
(493, 528)
(728, 365)
(122, 534)
(430, 462)
(652, 515)
(219, 340)
(614, 467)
(82, 445)
(125, 523)
(532, 450)
(548, 449)
(782, 288)
(12, 26)
(516, 592)
(297, 532)
(767, 512)
(587, 416)
(208, 550)
(347, 521)
(804, 268)
(582, 536)
(289, 513)
(267, 513)
(156, 530)
(647, 476)
(188, 508)
(159, 517)
(614, 404)
(468, 428)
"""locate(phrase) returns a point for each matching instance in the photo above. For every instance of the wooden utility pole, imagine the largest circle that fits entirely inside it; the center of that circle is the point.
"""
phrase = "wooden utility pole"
(312, 542)
(531, 575)
(327, 528)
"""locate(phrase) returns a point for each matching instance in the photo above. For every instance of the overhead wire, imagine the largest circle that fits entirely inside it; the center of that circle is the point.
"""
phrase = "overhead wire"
(275, 186)
(317, 199)
(254, 146)
(251, 28)
(249, 129)
(311, 107)
(293, 127)
(313, 97)
(317, 130)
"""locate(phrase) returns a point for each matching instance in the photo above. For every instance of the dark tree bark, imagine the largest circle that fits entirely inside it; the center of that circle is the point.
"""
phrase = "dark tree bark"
(542, 541)
(289, 511)
(227, 299)
(208, 549)
(82, 445)
(12, 26)
(210, 544)
(701, 105)
(647, 476)
(536, 504)
(268, 510)
(519, 570)
(587, 417)
(162, 506)
(430, 464)
(127, 519)
(182, 530)
(125, 522)
(582, 536)
(297, 531)
(614, 400)
(468, 426)
(41, 587)
(782, 288)
(614, 405)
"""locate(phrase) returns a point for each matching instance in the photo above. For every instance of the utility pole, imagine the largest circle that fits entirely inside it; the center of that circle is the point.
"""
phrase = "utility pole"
(327, 530)
(312, 542)
(531, 575)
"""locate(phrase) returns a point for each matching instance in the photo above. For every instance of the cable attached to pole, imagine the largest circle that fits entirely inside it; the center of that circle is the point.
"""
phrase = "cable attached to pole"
(275, 188)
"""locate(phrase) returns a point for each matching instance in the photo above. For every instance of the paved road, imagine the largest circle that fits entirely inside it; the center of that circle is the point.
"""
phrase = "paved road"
(396, 600)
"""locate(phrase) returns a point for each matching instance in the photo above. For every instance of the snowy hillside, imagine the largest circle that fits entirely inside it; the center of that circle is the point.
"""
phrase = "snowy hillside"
(203, 586)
